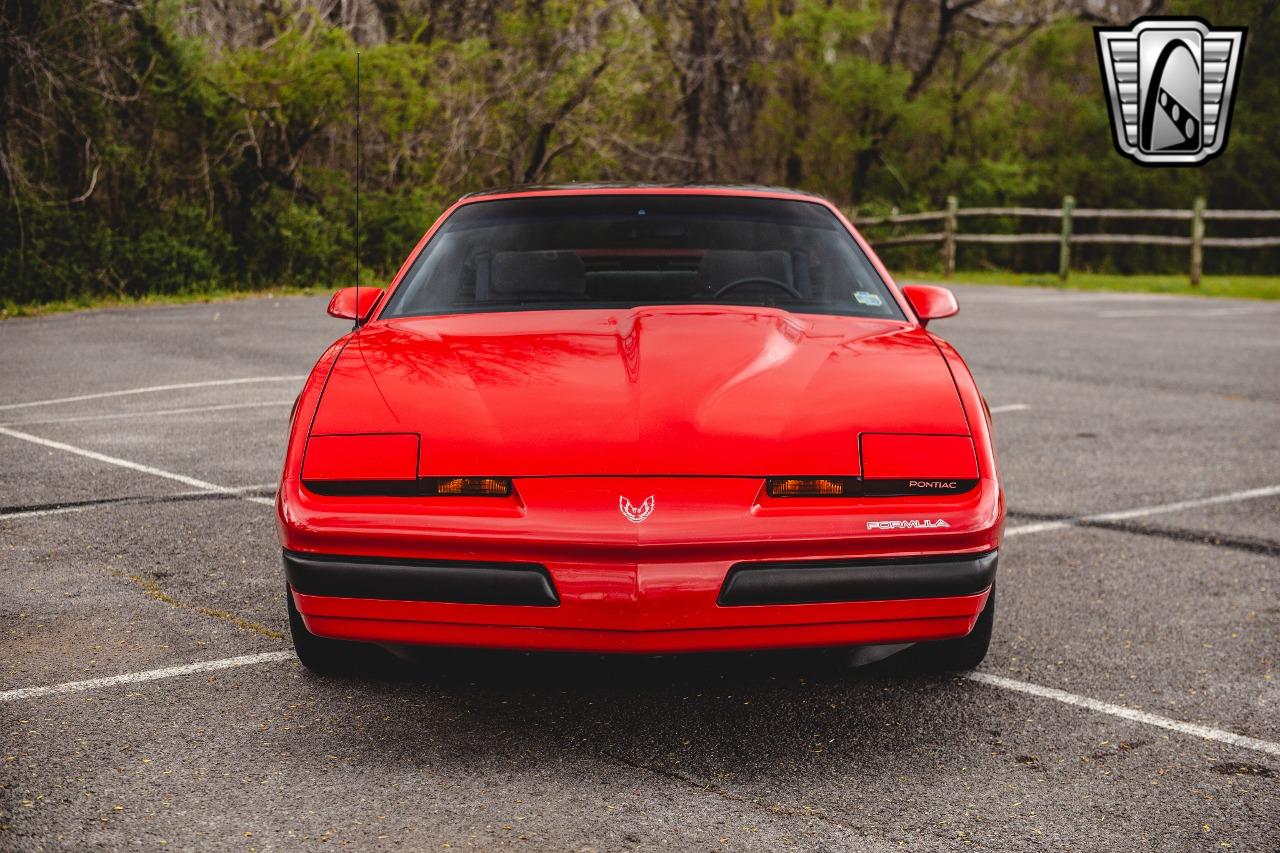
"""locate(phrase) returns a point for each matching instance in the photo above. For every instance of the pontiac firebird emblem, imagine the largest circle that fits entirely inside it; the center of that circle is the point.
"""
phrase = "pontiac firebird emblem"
(634, 513)
(1170, 82)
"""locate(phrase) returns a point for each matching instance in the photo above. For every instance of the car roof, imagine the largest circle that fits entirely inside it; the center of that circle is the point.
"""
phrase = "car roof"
(625, 188)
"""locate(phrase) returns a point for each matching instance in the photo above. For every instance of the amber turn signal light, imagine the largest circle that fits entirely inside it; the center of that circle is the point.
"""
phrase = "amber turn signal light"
(483, 487)
(811, 487)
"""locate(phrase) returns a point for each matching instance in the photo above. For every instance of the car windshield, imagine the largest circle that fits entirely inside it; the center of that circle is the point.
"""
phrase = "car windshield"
(620, 251)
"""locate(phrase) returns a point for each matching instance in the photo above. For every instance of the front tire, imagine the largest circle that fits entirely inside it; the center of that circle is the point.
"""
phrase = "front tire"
(961, 654)
(949, 656)
(322, 655)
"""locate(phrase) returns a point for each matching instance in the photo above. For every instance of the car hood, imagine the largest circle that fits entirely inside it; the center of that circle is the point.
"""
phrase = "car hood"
(697, 390)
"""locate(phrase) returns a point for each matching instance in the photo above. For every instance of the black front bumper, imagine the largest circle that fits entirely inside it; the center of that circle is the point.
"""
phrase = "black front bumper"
(454, 582)
(816, 582)
(793, 582)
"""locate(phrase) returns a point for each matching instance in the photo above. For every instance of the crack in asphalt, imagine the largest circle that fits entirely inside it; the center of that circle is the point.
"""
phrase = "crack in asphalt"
(775, 811)
(157, 592)
(125, 500)
(981, 365)
(1248, 544)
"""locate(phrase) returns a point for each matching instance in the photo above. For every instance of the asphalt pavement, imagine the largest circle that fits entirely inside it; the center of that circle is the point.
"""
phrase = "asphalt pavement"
(1131, 699)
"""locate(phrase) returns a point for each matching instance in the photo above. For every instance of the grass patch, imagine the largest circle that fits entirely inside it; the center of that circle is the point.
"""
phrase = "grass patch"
(1238, 286)
(35, 309)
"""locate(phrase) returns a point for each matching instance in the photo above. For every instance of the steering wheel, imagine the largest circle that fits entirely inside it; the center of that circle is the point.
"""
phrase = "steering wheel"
(758, 279)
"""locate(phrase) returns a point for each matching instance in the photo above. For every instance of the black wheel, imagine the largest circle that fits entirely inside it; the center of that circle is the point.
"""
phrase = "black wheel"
(962, 653)
(947, 656)
(322, 655)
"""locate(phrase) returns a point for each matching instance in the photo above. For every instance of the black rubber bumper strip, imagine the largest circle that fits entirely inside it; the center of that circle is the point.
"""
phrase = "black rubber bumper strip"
(825, 581)
(454, 582)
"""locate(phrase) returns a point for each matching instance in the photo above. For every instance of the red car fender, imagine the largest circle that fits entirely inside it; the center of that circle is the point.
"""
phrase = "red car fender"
(304, 412)
(975, 410)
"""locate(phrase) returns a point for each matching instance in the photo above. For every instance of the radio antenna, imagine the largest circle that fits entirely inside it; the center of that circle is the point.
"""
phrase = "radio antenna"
(356, 324)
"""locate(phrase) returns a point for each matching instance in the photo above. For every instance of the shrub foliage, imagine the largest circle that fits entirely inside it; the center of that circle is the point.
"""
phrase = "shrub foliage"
(158, 146)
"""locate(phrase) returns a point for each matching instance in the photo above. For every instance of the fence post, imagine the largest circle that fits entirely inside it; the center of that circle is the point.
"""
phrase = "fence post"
(1064, 246)
(949, 238)
(1197, 240)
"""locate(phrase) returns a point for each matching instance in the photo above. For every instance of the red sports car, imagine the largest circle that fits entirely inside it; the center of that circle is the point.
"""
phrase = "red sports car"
(647, 419)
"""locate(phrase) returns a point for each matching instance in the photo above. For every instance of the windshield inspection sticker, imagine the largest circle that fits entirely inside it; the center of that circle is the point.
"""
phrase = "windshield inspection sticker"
(865, 298)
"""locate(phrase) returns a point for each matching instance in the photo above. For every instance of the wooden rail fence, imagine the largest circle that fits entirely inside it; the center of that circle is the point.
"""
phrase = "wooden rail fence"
(1195, 240)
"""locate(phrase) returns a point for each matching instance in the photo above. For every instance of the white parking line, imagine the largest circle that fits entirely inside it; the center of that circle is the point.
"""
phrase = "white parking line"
(61, 510)
(151, 413)
(194, 483)
(999, 681)
(139, 677)
(1011, 407)
(1189, 313)
(1143, 511)
(153, 388)
(1121, 711)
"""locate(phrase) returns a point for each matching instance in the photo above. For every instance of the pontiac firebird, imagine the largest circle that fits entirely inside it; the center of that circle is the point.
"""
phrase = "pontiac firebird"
(641, 419)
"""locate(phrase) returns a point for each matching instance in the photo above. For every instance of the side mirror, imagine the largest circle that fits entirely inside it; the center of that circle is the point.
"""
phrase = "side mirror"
(347, 304)
(930, 303)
